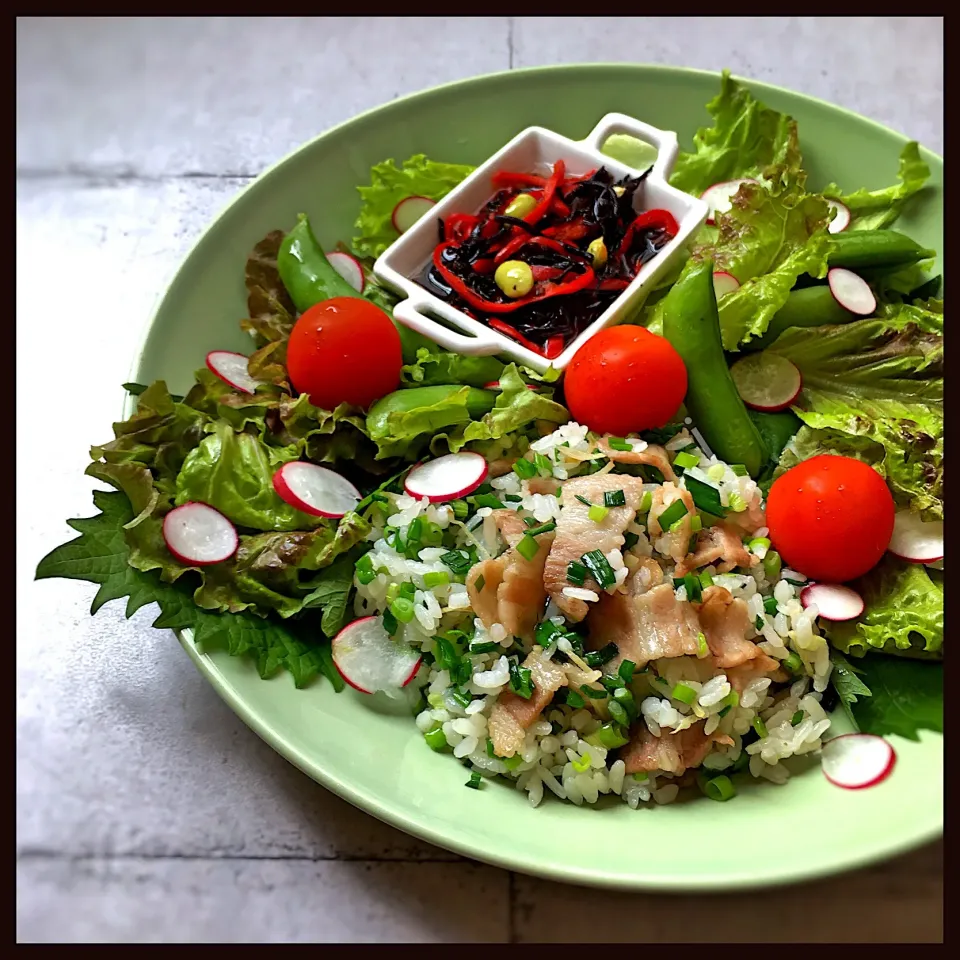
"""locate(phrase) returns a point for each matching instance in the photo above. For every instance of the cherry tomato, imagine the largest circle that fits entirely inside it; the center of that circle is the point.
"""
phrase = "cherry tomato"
(625, 379)
(344, 350)
(830, 517)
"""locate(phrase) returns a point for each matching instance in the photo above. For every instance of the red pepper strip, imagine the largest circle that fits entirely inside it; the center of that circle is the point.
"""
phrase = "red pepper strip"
(662, 219)
(553, 347)
(512, 246)
(485, 265)
(546, 273)
(549, 191)
(580, 282)
(558, 207)
(567, 231)
(458, 226)
(613, 283)
(509, 331)
(504, 178)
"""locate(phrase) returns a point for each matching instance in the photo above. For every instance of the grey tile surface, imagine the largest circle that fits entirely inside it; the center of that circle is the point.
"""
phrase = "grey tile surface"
(145, 809)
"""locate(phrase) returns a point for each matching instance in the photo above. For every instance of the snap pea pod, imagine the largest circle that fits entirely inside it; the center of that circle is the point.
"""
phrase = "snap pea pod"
(805, 307)
(310, 279)
(692, 325)
(858, 249)
(776, 429)
(478, 403)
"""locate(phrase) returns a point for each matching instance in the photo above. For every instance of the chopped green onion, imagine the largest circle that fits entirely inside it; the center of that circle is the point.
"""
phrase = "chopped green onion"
(683, 693)
(625, 670)
(597, 658)
(717, 472)
(732, 699)
(795, 583)
(705, 579)
(694, 591)
(393, 591)
(702, 648)
(547, 633)
(487, 500)
(614, 498)
(758, 624)
(705, 497)
(511, 763)
(435, 579)
(484, 487)
(436, 739)
(793, 663)
(646, 502)
(582, 764)
(618, 443)
(599, 568)
(574, 699)
(760, 727)
(490, 752)
(513, 498)
(673, 514)
(583, 500)
(525, 469)
(461, 696)
(543, 528)
(737, 503)
(389, 622)
(520, 682)
(739, 469)
(460, 509)
(435, 700)
(624, 697)
(445, 654)
(771, 565)
(575, 642)
(770, 605)
(796, 718)
(741, 762)
(608, 736)
(641, 776)
(612, 683)
(530, 521)
(696, 524)
(408, 590)
(456, 561)
(758, 543)
(543, 465)
(591, 693)
(364, 569)
(527, 547)
(480, 583)
(486, 647)
(724, 711)
(720, 789)
(630, 540)
(576, 573)
(685, 460)
(474, 782)
(618, 713)
(597, 513)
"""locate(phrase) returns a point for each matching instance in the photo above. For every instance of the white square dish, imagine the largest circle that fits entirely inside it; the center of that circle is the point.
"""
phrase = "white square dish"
(535, 150)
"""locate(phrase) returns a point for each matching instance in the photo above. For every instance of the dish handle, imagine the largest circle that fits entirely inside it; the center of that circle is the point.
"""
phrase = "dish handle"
(408, 312)
(664, 140)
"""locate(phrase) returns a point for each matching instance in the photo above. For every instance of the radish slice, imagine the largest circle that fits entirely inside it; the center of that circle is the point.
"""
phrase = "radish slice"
(853, 293)
(408, 211)
(766, 381)
(857, 760)
(916, 540)
(833, 601)
(349, 268)
(842, 220)
(719, 197)
(724, 283)
(199, 535)
(370, 661)
(495, 385)
(231, 368)
(315, 490)
(446, 478)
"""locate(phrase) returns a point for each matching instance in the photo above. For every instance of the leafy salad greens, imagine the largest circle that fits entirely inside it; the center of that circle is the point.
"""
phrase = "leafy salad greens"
(872, 389)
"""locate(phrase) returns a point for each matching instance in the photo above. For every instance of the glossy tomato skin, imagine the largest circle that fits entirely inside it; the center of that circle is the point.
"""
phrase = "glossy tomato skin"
(625, 379)
(344, 350)
(830, 518)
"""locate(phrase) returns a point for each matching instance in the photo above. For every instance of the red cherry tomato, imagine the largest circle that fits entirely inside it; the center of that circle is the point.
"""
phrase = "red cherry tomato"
(625, 379)
(830, 517)
(344, 350)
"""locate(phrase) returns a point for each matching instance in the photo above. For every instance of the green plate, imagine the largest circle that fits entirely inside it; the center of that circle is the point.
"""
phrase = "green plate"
(372, 755)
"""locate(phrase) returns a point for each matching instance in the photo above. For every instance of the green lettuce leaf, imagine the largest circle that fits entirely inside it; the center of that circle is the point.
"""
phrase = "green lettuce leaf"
(747, 139)
(268, 303)
(874, 209)
(433, 368)
(903, 613)
(100, 555)
(233, 473)
(389, 184)
(878, 380)
(907, 697)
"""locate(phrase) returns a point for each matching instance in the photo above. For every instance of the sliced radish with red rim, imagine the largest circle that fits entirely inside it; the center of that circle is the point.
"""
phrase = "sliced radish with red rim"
(495, 385)
(315, 489)
(231, 368)
(370, 660)
(842, 219)
(853, 293)
(719, 197)
(766, 381)
(349, 268)
(446, 478)
(833, 601)
(197, 534)
(724, 283)
(857, 760)
(409, 210)
(916, 540)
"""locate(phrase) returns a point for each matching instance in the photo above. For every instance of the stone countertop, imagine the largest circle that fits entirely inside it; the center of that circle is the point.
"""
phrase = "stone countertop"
(145, 809)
